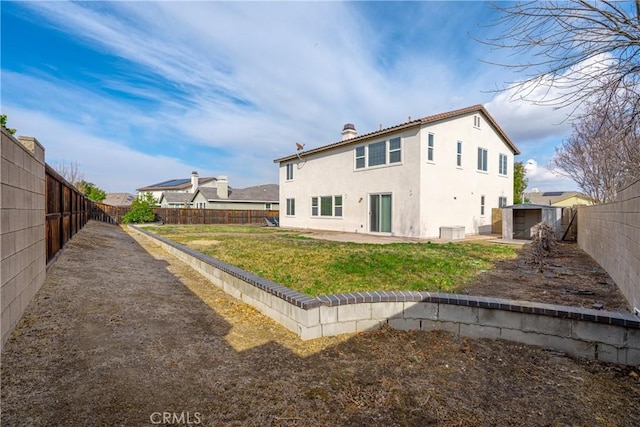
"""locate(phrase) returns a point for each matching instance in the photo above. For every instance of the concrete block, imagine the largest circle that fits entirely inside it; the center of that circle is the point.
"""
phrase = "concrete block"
(458, 313)
(429, 325)
(421, 310)
(307, 318)
(571, 346)
(339, 328)
(611, 354)
(499, 318)
(546, 325)
(478, 331)
(309, 333)
(328, 314)
(354, 312)
(405, 324)
(598, 332)
(368, 325)
(453, 327)
(633, 356)
(9, 293)
(386, 310)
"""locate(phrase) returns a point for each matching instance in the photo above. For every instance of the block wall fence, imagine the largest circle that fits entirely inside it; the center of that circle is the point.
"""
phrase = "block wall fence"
(606, 336)
(22, 226)
(610, 233)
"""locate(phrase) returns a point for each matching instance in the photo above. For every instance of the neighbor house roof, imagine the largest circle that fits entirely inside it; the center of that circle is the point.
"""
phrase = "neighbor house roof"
(118, 199)
(175, 184)
(259, 193)
(553, 197)
(173, 197)
(414, 123)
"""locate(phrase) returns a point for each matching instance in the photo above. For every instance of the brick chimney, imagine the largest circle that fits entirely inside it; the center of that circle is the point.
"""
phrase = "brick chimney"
(223, 187)
(194, 181)
(349, 131)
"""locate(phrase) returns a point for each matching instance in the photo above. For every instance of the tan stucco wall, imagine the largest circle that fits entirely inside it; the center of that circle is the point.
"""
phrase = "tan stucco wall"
(244, 206)
(22, 226)
(573, 201)
(610, 233)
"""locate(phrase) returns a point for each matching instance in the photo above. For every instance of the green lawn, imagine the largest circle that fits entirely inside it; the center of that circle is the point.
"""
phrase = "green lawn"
(318, 267)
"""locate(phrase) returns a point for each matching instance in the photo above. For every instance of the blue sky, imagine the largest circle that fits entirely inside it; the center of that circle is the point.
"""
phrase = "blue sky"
(141, 92)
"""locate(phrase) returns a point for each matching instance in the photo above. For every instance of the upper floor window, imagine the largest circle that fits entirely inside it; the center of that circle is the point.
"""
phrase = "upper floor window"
(502, 164)
(476, 121)
(459, 154)
(430, 147)
(379, 153)
(502, 202)
(482, 159)
(289, 171)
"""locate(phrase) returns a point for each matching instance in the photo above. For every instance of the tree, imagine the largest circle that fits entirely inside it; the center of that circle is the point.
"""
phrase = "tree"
(587, 51)
(141, 210)
(91, 191)
(519, 182)
(3, 123)
(602, 155)
(70, 171)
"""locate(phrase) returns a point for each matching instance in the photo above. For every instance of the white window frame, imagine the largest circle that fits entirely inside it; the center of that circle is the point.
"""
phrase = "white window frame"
(201, 205)
(483, 159)
(459, 154)
(289, 171)
(291, 207)
(335, 209)
(502, 201)
(431, 143)
(267, 206)
(388, 151)
(502, 164)
(476, 122)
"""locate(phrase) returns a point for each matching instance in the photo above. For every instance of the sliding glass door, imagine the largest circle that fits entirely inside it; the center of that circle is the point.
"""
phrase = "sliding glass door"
(380, 213)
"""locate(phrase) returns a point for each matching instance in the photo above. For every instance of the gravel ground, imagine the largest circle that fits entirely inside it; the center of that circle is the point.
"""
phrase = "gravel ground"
(124, 334)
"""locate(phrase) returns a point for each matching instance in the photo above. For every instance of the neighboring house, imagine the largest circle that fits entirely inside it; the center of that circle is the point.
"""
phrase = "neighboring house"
(558, 198)
(175, 200)
(119, 199)
(261, 197)
(445, 170)
(185, 185)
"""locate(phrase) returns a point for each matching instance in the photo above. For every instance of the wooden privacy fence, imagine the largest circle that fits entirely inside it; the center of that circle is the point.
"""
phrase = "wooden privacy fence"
(113, 214)
(67, 211)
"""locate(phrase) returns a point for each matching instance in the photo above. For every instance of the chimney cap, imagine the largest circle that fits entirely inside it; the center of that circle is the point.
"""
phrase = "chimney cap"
(349, 126)
(194, 173)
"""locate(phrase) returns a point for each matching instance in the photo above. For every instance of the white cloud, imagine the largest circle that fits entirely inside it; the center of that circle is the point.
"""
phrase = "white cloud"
(545, 179)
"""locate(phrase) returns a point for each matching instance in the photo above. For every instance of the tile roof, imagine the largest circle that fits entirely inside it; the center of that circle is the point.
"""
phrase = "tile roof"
(175, 197)
(175, 184)
(423, 121)
(118, 199)
(258, 193)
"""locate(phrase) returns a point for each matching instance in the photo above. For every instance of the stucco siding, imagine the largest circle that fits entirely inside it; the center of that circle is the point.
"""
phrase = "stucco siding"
(425, 194)
(451, 194)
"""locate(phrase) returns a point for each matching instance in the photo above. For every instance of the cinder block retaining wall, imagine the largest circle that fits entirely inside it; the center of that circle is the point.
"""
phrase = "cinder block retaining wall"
(22, 226)
(610, 233)
(607, 336)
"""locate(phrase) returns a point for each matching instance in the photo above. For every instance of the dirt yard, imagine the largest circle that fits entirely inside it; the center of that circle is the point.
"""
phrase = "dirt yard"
(123, 334)
(570, 277)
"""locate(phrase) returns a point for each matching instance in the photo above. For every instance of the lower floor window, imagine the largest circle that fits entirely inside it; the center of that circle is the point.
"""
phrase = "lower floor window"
(291, 207)
(326, 206)
(502, 202)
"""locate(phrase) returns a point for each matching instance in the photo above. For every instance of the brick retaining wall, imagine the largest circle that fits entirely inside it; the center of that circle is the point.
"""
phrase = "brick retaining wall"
(607, 336)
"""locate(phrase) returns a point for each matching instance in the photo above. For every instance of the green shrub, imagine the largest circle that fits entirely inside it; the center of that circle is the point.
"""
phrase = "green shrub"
(140, 211)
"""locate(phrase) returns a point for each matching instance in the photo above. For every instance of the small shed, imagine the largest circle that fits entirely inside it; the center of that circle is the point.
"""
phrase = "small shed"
(517, 220)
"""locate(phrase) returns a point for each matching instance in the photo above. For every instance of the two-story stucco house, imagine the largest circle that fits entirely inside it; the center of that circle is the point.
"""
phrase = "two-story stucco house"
(445, 170)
